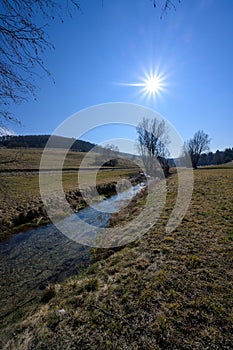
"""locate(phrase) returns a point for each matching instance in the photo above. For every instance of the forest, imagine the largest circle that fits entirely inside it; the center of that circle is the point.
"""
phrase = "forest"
(40, 141)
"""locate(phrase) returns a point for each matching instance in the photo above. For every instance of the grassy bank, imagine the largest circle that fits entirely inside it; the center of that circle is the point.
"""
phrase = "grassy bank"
(164, 291)
(21, 206)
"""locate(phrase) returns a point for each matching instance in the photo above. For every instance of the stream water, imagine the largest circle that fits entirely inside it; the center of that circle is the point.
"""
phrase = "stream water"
(32, 259)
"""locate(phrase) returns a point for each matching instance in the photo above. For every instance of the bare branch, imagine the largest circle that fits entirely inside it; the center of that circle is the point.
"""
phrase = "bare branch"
(22, 44)
(152, 141)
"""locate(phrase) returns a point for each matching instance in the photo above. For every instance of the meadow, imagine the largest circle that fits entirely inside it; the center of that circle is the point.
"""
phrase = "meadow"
(21, 206)
(163, 291)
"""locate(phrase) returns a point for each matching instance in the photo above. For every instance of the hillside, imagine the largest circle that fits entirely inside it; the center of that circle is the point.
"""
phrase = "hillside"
(28, 159)
(40, 141)
(164, 291)
(21, 159)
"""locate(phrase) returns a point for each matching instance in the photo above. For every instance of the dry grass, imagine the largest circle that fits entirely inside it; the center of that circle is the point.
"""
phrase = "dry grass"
(29, 158)
(220, 166)
(19, 184)
(165, 291)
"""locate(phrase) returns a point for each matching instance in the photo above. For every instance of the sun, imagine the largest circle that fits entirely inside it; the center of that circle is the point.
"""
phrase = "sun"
(152, 85)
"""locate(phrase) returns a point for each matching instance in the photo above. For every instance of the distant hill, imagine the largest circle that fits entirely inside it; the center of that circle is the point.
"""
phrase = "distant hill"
(40, 141)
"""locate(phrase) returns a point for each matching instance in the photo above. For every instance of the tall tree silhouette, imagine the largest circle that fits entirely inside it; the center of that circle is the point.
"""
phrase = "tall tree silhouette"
(197, 145)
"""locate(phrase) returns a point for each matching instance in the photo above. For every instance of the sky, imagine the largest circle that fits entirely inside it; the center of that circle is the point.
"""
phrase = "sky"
(104, 53)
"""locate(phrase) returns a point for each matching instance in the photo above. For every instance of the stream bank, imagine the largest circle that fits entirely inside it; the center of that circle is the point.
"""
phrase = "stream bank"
(26, 215)
(30, 261)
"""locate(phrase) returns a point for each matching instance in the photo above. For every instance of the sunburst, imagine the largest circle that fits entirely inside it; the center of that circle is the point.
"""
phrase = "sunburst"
(152, 85)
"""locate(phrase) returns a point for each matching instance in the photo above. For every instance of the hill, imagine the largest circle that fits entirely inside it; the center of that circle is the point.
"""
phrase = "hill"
(40, 141)
(28, 159)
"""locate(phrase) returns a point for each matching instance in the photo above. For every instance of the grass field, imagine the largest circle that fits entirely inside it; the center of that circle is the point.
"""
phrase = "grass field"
(164, 291)
(20, 188)
(19, 182)
(29, 158)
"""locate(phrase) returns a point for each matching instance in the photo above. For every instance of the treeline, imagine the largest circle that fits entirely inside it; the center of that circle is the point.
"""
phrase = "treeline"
(40, 141)
(219, 157)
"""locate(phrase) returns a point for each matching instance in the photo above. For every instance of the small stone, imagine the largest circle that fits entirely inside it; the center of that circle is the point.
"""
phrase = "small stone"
(62, 311)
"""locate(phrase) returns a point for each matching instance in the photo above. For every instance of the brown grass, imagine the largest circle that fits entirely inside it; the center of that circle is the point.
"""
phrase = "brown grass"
(165, 291)
(30, 158)
(19, 184)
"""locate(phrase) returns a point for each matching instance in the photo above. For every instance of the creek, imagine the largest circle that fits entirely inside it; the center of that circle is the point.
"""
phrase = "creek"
(30, 260)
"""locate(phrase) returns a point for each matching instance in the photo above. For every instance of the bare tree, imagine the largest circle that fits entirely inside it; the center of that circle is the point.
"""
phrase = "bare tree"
(152, 145)
(197, 145)
(22, 44)
(23, 40)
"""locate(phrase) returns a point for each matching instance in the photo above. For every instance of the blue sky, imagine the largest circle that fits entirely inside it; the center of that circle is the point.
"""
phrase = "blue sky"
(97, 50)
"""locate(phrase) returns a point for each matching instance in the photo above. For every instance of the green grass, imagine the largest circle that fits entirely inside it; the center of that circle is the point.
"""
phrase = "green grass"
(164, 291)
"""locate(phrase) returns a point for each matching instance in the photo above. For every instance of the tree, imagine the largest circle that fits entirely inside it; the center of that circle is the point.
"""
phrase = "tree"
(152, 141)
(197, 145)
(228, 155)
(218, 157)
(23, 42)
(166, 5)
